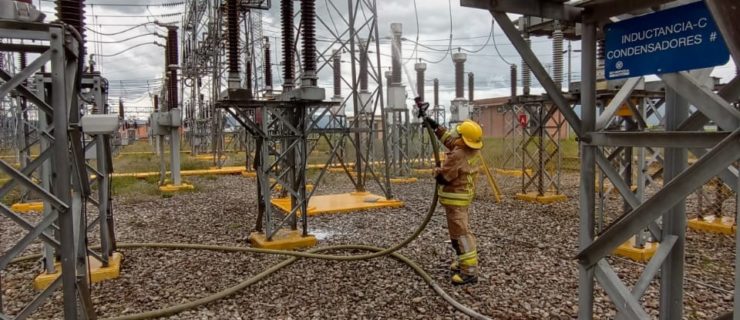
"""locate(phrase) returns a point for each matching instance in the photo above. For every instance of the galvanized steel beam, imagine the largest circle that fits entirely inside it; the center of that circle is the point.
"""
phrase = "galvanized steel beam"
(539, 71)
(721, 156)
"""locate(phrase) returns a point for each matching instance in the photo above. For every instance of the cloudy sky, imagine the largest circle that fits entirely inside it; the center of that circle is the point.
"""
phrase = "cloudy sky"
(136, 73)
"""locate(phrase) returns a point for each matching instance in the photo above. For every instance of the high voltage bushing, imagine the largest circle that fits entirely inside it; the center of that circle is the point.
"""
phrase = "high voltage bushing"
(248, 79)
(363, 66)
(513, 83)
(557, 55)
(388, 77)
(156, 103)
(471, 86)
(337, 71)
(121, 115)
(267, 66)
(172, 62)
(436, 92)
(526, 79)
(397, 31)
(459, 59)
(72, 12)
(308, 30)
(286, 20)
(232, 42)
(420, 68)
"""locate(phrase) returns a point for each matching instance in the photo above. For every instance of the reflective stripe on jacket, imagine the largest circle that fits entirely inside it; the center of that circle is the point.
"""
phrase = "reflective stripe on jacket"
(459, 169)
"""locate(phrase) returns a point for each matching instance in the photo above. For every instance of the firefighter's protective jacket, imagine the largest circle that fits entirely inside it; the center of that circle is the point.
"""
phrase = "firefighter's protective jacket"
(459, 171)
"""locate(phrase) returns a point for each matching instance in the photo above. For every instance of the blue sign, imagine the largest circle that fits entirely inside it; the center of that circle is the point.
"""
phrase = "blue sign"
(672, 40)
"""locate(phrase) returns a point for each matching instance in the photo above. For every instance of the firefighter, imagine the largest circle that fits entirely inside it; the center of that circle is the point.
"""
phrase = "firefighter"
(456, 178)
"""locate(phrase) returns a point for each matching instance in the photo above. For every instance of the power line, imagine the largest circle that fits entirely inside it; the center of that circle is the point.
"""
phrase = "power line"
(496, 46)
(163, 15)
(128, 25)
(490, 35)
(119, 32)
(127, 39)
(164, 4)
(449, 45)
(416, 45)
(130, 48)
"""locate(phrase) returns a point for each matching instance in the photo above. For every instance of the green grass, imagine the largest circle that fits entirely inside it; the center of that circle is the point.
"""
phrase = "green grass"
(131, 185)
(494, 148)
(14, 196)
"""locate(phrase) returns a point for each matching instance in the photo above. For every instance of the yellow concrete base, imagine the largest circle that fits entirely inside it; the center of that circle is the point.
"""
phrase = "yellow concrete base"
(208, 157)
(309, 187)
(403, 180)
(176, 188)
(26, 207)
(185, 173)
(512, 172)
(283, 240)
(629, 251)
(98, 273)
(544, 199)
(427, 172)
(249, 174)
(723, 225)
(315, 166)
(339, 203)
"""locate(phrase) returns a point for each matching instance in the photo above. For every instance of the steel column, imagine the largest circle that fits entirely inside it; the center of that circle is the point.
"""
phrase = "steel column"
(674, 220)
(587, 187)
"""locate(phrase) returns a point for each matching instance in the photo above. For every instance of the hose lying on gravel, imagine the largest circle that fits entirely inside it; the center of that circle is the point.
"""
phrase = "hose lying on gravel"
(267, 272)
(294, 255)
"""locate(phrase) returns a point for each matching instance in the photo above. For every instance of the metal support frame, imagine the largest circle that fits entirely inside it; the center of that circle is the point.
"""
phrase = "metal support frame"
(69, 185)
(96, 88)
(540, 148)
(513, 138)
(352, 27)
(399, 130)
(679, 179)
(288, 126)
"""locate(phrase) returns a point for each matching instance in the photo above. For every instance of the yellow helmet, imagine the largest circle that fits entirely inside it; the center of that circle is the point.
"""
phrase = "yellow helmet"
(471, 133)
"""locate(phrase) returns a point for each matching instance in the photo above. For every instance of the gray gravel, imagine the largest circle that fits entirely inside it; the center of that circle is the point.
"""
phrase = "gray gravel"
(526, 250)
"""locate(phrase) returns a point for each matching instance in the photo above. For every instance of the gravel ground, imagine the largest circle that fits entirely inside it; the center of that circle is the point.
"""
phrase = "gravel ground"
(526, 250)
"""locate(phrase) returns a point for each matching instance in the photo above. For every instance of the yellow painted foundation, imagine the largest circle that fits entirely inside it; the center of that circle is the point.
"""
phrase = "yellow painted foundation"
(26, 207)
(249, 174)
(98, 273)
(403, 180)
(284, 239)
(427, 172)
(547, 198)
(341, 203)
(185, 173)
(208, 157)
(512, 172)
(309, 187)
(712, 224)
(176, 188)
(629, 251)
(315, 166)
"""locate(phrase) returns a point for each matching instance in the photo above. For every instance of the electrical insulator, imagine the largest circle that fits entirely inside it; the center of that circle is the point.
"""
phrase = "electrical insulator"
(557, 56)
(286, 19)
